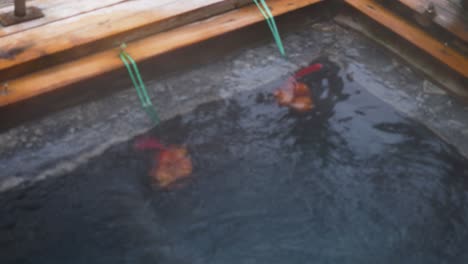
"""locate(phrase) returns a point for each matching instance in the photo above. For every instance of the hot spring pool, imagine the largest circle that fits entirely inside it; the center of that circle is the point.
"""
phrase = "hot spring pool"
(353, 181)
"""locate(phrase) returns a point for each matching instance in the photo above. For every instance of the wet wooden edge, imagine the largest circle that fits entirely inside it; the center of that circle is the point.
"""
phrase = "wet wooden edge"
(432, 70)
(166, 65)
(96, 65)
(91, 32)
(413, 34)
(448, 15)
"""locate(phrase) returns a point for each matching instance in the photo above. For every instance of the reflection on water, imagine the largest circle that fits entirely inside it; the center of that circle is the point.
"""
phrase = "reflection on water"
(350, 182)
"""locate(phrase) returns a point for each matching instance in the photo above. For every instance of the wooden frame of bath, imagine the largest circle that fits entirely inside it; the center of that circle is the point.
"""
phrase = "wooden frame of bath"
(57, 54)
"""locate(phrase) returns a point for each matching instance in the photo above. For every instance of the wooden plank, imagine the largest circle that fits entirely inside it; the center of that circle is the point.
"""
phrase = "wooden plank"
(4, 3)
(55, 10)
(438, 73)
(94, 31)
(104, 62)
(413, 34)
(449, 15)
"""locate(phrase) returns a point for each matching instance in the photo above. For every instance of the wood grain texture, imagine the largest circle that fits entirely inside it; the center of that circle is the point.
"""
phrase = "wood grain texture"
(449, 15)
(413, 34)
(104, 62)
(438, 73)
(71, 38)
(54, 10)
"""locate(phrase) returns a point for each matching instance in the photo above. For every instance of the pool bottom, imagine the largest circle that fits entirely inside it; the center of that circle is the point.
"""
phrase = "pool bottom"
(352, 181)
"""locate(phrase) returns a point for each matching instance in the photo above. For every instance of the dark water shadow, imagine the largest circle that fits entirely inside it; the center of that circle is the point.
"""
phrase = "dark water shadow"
(353, 181)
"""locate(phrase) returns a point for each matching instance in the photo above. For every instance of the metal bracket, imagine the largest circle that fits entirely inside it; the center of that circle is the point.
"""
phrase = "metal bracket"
(20, 14)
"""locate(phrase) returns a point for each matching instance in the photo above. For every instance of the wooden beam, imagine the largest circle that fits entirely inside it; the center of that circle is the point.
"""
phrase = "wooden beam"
(104, 62)
(98, 30)
(448, 14)
(413, 34)
(438, 73)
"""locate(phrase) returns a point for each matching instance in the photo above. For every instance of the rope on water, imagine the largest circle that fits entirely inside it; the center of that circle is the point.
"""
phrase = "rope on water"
(140, 87)
(265, 10)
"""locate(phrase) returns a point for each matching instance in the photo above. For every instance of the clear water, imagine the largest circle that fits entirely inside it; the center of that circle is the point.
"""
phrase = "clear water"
(351, 182)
